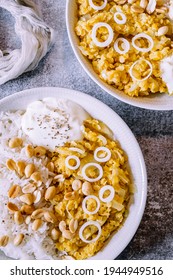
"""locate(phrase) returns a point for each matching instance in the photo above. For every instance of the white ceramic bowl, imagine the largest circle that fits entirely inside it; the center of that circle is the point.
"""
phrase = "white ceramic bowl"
(154, 102)
(125, 137)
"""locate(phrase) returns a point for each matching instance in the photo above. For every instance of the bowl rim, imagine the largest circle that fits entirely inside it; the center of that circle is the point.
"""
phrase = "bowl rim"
(29, 95)
(162, 102)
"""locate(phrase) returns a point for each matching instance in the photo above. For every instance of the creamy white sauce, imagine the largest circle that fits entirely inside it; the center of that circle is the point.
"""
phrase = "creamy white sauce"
(166, 67)
(53, 122)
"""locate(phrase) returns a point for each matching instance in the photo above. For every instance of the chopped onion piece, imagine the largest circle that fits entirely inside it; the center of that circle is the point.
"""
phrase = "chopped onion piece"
(71, 166)
(103, 139)
(122, 20)
(80, 151)
(89, 223)
(108, 198)
(98, 166)
(104, 149)
(131, 70)
(143, 35)
(98, 8)
(126, 45)
(94, 35)
(84, 204)
(118, 206)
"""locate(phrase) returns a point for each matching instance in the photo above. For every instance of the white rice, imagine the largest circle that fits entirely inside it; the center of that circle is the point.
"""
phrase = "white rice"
(36, 245)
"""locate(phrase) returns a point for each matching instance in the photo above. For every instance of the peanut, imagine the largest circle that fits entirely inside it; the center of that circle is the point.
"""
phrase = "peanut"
(12, 207)
(4, 240)
(15, 142)
(27, 198)
(37, 214)
(29, 151)
(30, 188)
(55, 234)
(36, 176)
(18, 218)
(39, 151)
(36, 224)
(20, 167)
(67, 234)
(50, 217)
(73, 225)
(18, 239)
(14, 191)
(11, 165)
(27, 209)
(51, 167)
(62, 226)
(50, 193)
(29, 170)
(87, 188)
(76, 185)
(137, 9)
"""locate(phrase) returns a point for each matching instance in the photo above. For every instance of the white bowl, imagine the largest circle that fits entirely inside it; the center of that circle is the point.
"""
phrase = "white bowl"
(122, 133)
(154, 102)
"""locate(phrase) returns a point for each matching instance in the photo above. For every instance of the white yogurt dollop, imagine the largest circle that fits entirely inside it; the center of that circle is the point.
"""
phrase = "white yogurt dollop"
(53, 122)
(166, 67)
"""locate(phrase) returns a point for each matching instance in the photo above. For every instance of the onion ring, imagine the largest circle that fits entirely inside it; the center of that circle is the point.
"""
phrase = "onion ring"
(84, 204)
(143, 35)
(109, 39)
(89, 223)
(145, 78)
(92, 179)
(70, 166)
(98, 8)
(105, 158)
(120, 21)
(108, 198)
(125, 43)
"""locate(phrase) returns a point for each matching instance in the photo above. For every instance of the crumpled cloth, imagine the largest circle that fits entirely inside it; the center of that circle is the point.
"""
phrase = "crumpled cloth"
(36, 37)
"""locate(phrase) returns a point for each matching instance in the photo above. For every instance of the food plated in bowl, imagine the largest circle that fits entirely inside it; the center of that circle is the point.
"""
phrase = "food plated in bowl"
(71, 197)
(126, 49)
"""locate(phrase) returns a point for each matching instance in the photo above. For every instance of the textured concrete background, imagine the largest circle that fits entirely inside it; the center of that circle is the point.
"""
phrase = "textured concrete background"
(153, 130)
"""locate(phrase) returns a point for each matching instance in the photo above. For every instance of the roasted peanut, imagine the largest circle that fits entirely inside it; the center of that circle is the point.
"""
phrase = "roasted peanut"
(69, 196)
(30, 188)
(11, 165)
(15, 142)
(29, 151)
(27, 209)
(73, 225)
(50, 217)
(28, 220)
(137, 9)
(36, 224)
(87, 188)
(50, 193)
(55, 234)
(51, 166)
(20, 167)
(37, 196)
(62, 226)
(37, 214)
(29, 170)
(4, 240)
(67, 234)
(76, 185)
(27, 198)
(163, 30)
(14, 191)
(12, 207)
(18, 218)
(39, 151)
(18, 239)
(36, 176)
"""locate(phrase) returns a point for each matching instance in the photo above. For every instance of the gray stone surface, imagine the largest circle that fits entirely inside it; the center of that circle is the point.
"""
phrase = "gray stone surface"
(153, 129)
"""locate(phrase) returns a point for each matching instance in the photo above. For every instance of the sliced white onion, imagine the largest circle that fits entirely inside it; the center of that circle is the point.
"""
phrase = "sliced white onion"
(98, 166)
(104, 149)
(103, 139)
(70, 166)
(90, 223)
(84, 204)
(146, 36)
(98, 8)
(131, 70)
(94, 34)
(126, 45)
(108, 198)
(122, 20)
(80, 151)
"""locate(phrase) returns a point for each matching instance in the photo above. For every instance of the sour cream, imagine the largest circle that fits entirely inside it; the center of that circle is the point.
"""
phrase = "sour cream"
(166, 67)
(53, 122)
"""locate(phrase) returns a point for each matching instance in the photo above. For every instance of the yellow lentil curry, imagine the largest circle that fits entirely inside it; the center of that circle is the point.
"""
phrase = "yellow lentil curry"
(133, 17)
(74, 188)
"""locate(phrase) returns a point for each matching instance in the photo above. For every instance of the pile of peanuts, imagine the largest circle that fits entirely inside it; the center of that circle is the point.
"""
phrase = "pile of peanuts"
(30, 195)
